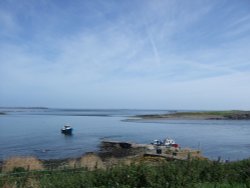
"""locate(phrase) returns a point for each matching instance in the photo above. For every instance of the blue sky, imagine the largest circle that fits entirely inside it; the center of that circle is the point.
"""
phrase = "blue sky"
(161, 54)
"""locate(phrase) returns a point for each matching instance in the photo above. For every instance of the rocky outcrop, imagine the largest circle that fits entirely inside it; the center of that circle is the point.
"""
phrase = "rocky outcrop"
(241, 116)
(119, 149)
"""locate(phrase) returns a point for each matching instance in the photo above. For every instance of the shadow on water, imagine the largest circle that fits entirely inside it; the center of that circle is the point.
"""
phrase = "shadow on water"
(68, 136)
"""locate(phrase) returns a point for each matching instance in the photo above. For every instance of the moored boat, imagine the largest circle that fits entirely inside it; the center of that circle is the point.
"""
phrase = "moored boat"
(67, 129)
(166, 142)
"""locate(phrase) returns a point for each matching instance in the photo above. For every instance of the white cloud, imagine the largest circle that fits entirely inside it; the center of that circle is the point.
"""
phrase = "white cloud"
(142, 58)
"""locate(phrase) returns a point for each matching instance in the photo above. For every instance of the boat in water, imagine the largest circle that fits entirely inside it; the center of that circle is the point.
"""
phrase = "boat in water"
(67, 129)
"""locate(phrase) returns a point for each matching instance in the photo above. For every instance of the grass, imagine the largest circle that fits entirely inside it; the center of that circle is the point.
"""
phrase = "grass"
(219, 113)
(27, 163)
(232, 114)
(194, 173)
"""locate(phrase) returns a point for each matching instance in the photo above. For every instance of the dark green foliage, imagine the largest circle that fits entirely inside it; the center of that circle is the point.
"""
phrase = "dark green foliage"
(18, 170)
(194, 173)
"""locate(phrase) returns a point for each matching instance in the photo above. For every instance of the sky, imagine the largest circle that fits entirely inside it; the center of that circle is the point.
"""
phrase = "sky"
(143, 54)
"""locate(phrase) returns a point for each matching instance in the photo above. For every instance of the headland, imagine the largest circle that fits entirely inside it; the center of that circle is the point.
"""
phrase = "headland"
(200, 115)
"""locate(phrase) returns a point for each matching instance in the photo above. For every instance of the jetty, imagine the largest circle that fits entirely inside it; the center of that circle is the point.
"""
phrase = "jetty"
(119, 149)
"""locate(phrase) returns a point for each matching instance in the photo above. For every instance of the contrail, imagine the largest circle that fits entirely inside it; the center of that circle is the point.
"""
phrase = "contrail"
(152, 42)
(155, 50)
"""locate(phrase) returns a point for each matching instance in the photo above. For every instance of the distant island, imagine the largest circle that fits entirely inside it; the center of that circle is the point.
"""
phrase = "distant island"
(2, 107)
(204, 115)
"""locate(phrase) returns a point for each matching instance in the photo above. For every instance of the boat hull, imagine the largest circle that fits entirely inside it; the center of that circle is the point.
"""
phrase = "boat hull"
(67, 131)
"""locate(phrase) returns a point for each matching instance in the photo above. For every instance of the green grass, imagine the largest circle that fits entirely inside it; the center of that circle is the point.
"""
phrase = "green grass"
(217, 113)
(194, 173)
(232, 114)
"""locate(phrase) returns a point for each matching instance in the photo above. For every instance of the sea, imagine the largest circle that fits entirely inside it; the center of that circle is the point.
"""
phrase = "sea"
(36, 132)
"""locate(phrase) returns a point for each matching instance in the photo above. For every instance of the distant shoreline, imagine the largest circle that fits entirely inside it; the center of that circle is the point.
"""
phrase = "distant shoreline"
(23, 107)
(205, 115)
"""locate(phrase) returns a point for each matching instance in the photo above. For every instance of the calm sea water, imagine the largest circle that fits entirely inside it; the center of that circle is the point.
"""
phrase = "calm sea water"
(36, 132)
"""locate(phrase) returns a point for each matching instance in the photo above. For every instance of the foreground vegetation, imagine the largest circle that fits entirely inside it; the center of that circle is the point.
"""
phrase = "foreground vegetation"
(194, 173)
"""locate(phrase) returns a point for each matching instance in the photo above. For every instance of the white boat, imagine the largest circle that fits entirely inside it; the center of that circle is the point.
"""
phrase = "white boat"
(67, 129)
(157, 143)
(168, 142)
(165, 142)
